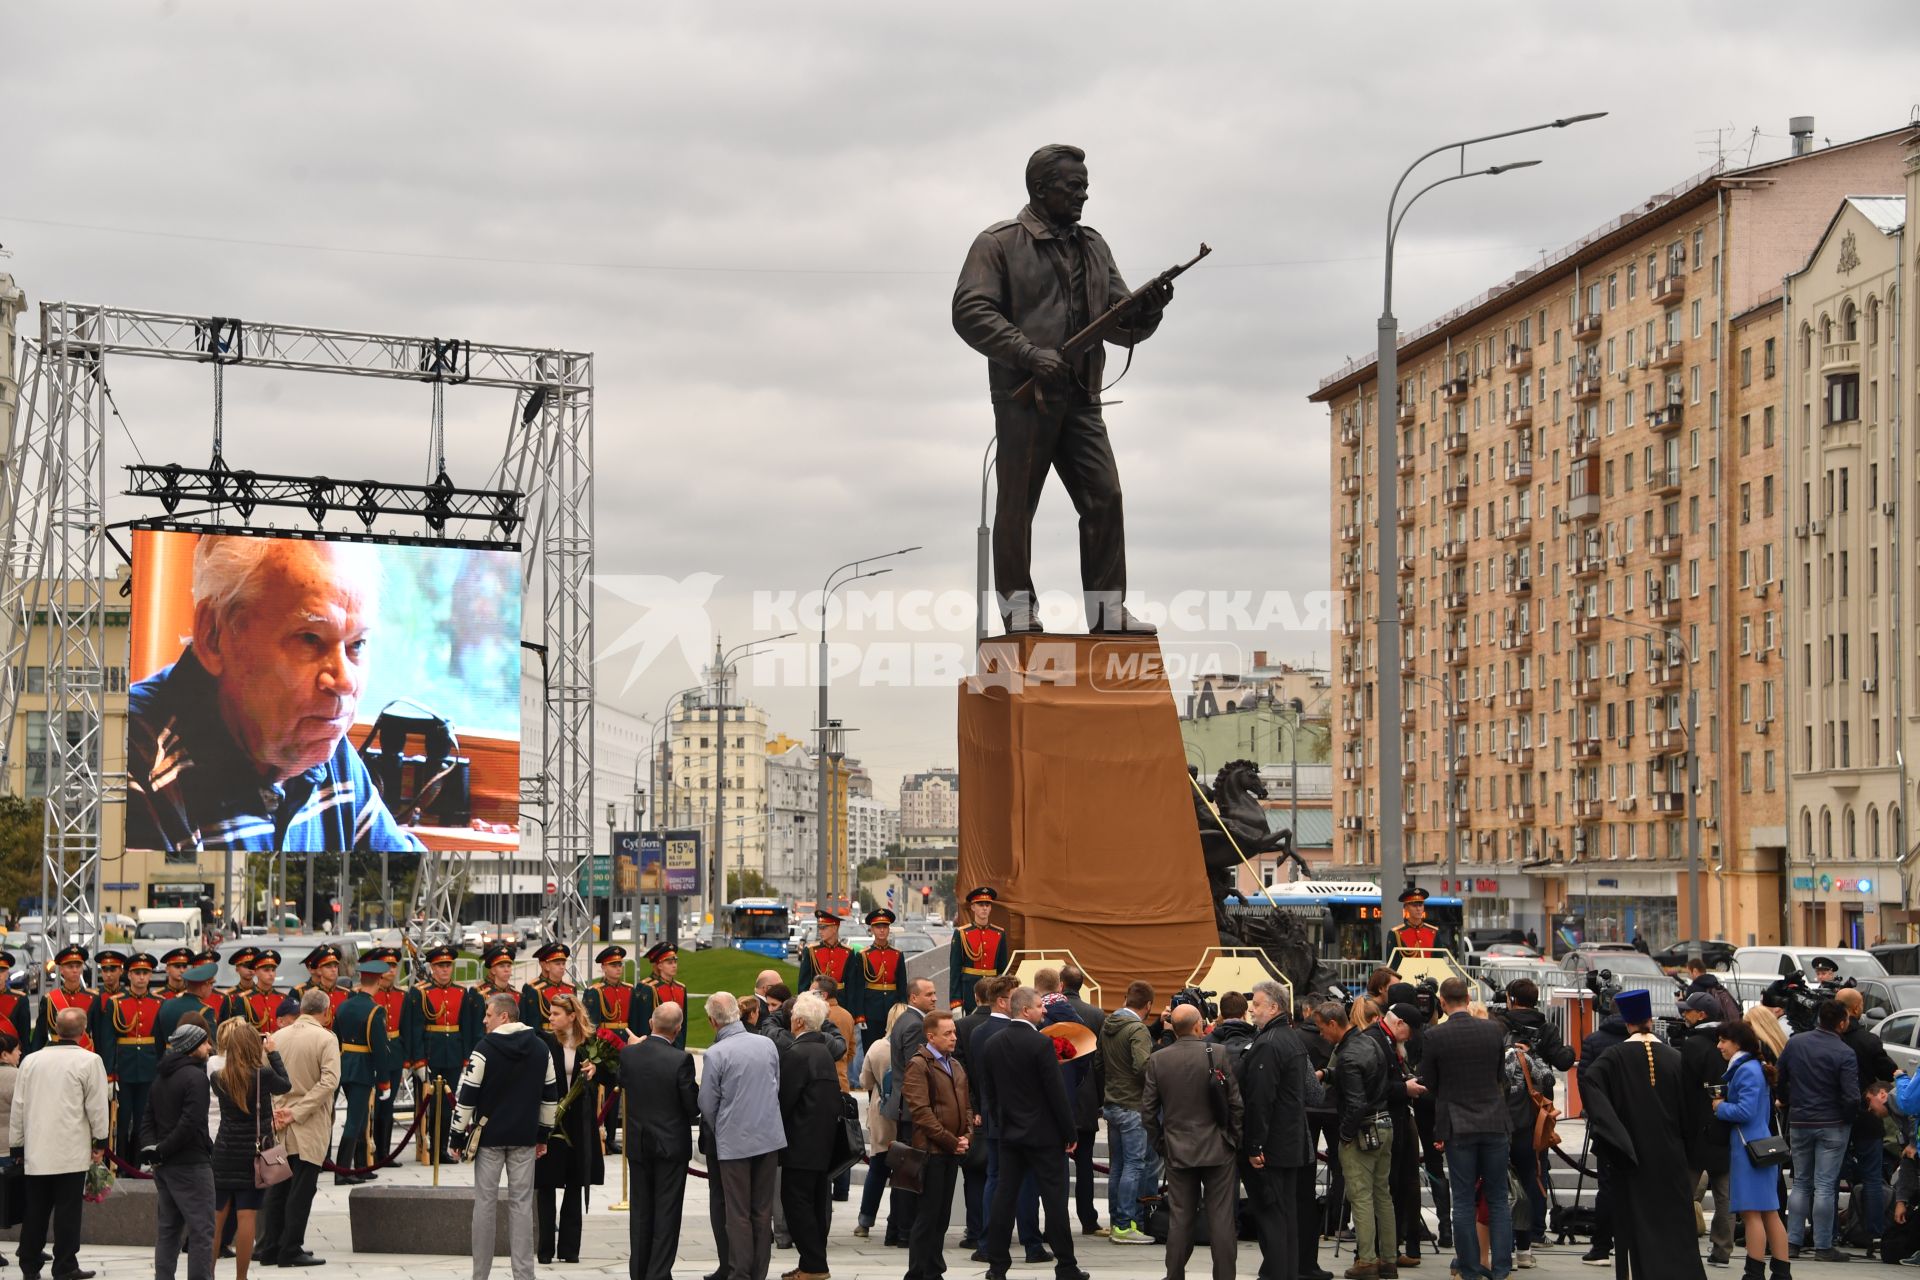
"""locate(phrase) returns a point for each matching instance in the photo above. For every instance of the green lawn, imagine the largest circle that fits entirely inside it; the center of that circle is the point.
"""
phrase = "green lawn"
(705, 972)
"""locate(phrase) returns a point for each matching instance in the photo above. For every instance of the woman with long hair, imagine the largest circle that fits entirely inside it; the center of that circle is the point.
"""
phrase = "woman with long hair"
(1765, 1024)
(1753, 1191)
(881, 1131)
(244, 1087)
(561, 1177)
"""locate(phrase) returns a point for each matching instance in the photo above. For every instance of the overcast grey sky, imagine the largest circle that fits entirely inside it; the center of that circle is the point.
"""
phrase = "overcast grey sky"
(753, 215)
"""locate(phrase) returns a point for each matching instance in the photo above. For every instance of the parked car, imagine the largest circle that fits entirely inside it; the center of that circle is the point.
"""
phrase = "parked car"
(1510, 950)
(480, 933)
(1900, 1032)
(526, 931)
(1715, 954)
(1884, 996)
(912, 941)
(1774, 962)
(1630, 969)
(1898, 957)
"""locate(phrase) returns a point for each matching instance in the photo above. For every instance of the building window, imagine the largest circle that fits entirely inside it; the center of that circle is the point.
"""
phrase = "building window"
(1767, 360)
(1843, 398)
(1746, 368)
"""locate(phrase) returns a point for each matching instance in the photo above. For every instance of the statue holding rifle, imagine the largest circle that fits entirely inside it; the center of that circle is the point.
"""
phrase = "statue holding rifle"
(1039, 296)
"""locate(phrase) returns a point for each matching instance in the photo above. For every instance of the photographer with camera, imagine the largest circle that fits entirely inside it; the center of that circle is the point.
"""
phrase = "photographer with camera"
(1702, 1074)
(1358, 1074)
(1799, 1000)
(1526, 1025)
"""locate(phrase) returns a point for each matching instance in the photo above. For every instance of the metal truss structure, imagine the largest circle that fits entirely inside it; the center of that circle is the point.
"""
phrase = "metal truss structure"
(53, 554)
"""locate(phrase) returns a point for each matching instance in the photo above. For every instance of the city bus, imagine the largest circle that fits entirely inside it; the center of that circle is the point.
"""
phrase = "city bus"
(753, 924)
(1342, 917)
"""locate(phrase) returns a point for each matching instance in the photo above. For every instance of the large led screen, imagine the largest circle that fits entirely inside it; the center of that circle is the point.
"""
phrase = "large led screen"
(315, 696)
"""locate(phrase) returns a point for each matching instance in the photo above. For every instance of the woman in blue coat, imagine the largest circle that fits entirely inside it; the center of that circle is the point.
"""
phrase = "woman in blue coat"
(1754, 1192)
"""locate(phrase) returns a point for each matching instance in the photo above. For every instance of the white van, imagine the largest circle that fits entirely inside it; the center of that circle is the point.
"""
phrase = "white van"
(168, 927)
(1775, 962)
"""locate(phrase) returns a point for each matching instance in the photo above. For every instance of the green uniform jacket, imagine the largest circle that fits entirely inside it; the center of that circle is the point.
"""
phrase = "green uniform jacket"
(443, 1053)
(360, 1025)
(124, 1036)
(169, 1016)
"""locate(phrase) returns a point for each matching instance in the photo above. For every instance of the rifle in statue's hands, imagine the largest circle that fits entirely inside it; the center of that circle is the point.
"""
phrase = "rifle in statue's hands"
(1113, 318)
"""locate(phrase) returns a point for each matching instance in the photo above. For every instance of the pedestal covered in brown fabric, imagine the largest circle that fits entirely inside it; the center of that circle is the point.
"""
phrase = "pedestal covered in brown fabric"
(1075, 806)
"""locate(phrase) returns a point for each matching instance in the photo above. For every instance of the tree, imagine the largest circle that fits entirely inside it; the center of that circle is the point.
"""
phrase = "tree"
(867, 901)
(747, 884)
(945, 895)
(22, 830)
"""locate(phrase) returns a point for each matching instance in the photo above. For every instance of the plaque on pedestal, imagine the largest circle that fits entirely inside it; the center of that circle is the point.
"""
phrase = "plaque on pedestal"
(1075, 805)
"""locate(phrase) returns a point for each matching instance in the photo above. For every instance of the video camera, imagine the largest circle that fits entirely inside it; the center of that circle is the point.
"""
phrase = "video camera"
(1426, 994)
(1204, 1001)
(1604, 987)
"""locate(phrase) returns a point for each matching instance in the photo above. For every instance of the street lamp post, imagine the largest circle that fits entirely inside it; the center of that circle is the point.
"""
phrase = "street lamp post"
(722, 666)
(982, 554)
(669, 905)
(1386, 542)
(855, 570)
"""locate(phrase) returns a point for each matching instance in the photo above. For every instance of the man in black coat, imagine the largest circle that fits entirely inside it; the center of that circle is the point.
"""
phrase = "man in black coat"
(973, 1170)
(1033, 1124)
(1461, 1064)
(1086, 1103)
(1701, 1067)
(810, 1105)
(1866, 1163)
(659, 1133)
(1323, 1128)
(999, 996)
(1276, 1154)
(1610, 1032)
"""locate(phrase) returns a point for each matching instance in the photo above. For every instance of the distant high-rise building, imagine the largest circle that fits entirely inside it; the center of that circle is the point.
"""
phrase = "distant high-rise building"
(930, 809)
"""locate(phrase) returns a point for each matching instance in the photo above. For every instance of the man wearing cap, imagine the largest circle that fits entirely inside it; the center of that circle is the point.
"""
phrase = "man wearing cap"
(323, 975)
(176, 962)
(71, 993)
(198, 996)
(826, 956)
(176, 1145)
(1706, 1135)
(260, 1002)
(16, 1015)
(360, 1024)
(1415, 936)
(664, 984)
(1631, 1093)
(497, 963)
(112, 967)
(391, 999)
(534, 997)
(881, 982)
(440, 1024)
(978, 950)
(231, 1001)
(129, 1049)
(610, 1003)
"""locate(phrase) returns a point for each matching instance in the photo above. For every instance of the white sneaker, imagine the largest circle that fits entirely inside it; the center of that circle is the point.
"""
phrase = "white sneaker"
(1523, 1258)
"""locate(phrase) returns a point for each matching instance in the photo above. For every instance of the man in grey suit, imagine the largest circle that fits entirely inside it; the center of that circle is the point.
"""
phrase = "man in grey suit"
(908, 1034)
(1461, 1064)
(1185, 1125)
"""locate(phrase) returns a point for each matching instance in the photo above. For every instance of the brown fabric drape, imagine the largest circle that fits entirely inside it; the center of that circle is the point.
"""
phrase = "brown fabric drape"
(1075, 806)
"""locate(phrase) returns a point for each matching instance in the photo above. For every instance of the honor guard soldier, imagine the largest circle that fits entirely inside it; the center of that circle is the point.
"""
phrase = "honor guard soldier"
(176, 962)
(979, 949)
(16, 1015)
(128, 1048)
(1415, 936)
(881, 980)
(552, 982)
(260, 1002)
(440, 1022)
(826, 956)
(392, 997)
(198, 996)
(360, 1025)
(497, 960)
(664, 986)
(323, 974)
(70, 993)
(112, 968)
(615, 1004)
(233, 999)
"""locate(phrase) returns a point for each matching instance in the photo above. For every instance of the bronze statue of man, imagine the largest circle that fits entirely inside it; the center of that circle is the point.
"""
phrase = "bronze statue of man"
(1028, 285)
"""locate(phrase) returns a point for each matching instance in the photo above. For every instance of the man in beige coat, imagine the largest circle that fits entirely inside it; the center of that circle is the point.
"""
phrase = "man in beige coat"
(60, 1118)
(304, 1122)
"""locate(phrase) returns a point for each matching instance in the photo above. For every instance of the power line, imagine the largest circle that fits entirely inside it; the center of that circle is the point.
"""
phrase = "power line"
(666, 267)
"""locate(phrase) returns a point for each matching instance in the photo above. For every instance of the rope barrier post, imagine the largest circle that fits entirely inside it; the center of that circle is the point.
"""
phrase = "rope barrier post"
(621, 1205)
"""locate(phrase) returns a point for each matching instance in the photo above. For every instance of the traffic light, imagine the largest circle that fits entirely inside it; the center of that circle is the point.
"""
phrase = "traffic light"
(926, 894)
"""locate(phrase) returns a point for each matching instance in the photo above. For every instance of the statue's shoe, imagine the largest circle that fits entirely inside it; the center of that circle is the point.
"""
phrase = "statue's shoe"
(1118, 622)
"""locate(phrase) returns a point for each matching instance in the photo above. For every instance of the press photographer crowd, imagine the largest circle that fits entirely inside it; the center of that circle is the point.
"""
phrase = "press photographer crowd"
(1710, 1128)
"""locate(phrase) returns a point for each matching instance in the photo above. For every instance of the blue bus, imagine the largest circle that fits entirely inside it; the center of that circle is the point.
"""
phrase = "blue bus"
(753, 924)
(1342, 917)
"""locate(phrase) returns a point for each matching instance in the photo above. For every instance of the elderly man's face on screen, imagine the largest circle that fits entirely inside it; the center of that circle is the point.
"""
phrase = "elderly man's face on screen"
(282, 626)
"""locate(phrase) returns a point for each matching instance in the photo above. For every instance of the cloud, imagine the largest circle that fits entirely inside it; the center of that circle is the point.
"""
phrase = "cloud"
(790, 393)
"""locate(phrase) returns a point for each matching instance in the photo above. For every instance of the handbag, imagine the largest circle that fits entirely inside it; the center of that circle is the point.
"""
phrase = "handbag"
(849, 1139)
(1767, 1152)
(906, 1167)
(270, 1166)
(1545, 1136)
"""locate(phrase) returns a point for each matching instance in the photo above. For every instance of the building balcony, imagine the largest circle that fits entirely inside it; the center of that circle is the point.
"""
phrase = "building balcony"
(1668, 355)
(1454, 602)
(1350, 822)
(1586, 748)
(1350, 629)
(1410, 770)
(1585, 626)
(1454, 442)
(1517, 586)
(1454, 389)
(1520, 472)
(1349, 435)
(1520, 813)
(1352, 773)
(1455, 495)
(1838, 356)
(1516, 528)
(1453, 550)
(1406, 620)
(1349, 533)
(1665, 675)
(1668, 417)
(1668, 288)
(1585, 387)
(1406, 566)
(1588, 810)
(1520, 417)
(1581, 446)
(1405, 416)
(1665, 547)
(1667, 742)
(1406, 513)
(1587, 326)
(1456, 711)
(1669, 801)
(1352, 726)
(1350, 580)
(1627, 804)
(1518, 757)
(1409, 666)
(1519, 358)
(1585, 689)
(1663, 610)
(1664, 481)
(1406, 464)
(1589, 566)
(1454, 655)
(1457, 767)
(1410, 819)
(1349, 486)
(1584, 507)
(1517, 641)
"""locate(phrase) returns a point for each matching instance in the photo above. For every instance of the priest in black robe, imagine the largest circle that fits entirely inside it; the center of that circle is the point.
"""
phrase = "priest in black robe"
(1632, 1097)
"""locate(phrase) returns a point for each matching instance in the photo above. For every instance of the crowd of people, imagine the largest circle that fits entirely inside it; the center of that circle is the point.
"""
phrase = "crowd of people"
(1714, 1124)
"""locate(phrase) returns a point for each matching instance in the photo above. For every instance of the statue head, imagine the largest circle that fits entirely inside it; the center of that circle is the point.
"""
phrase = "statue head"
(1057, 182)
(1242, 776)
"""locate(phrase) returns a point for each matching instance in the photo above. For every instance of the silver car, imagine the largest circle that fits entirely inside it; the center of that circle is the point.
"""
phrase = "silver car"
(1900, 1032)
